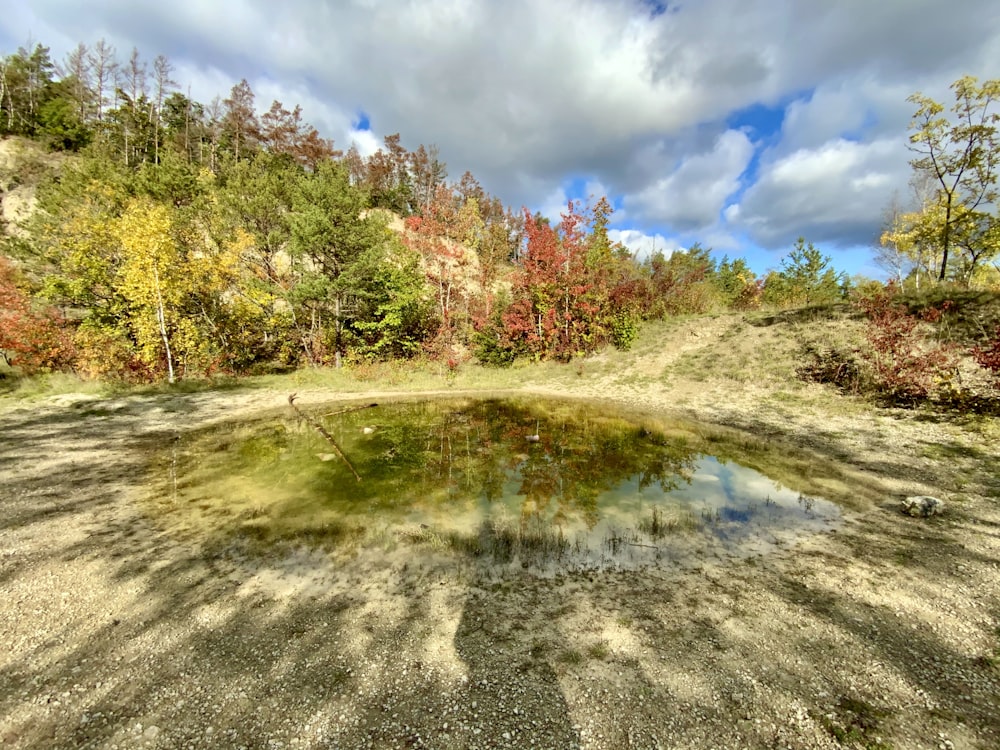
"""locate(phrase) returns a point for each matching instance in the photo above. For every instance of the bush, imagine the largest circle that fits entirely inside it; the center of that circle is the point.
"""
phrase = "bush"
(904, 364)
(624, 329)
(34, 340)
(988, 357)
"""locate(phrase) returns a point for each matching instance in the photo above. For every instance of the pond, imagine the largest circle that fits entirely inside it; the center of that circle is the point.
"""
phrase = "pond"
(546, 484)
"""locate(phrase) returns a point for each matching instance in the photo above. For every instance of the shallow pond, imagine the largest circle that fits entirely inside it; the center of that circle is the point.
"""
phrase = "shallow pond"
(503, 482)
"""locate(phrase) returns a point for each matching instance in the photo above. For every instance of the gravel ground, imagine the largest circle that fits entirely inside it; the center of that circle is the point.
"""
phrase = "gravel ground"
(117, 633)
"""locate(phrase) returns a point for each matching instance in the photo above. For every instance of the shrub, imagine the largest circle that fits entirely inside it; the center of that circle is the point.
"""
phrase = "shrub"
(35, 340)
(904, 364)
(988, 357)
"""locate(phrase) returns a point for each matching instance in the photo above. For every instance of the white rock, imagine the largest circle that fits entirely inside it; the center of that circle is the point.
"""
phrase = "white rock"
(922, 506)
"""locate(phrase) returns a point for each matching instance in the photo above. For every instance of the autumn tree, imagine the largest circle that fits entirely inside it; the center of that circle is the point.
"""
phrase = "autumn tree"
(429, 173)
(447, 237)
(552, 312)
(960, 152)
(239, 123)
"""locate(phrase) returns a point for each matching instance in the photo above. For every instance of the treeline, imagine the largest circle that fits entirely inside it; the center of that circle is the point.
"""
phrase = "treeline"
(182, 239)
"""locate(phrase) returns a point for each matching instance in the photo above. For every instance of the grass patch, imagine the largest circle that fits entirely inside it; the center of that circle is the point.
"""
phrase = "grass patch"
(570, 656)
(857, 723)
(599, 651)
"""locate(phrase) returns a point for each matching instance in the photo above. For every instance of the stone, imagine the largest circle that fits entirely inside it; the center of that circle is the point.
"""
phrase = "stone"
(922, 506)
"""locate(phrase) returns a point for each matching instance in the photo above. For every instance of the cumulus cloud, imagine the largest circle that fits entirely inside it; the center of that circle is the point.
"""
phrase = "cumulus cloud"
(619, 95)
(833, 193)
(644, 245)
(693, 194)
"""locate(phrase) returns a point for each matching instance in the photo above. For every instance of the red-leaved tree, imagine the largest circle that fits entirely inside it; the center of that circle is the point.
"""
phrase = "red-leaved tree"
(551, 310)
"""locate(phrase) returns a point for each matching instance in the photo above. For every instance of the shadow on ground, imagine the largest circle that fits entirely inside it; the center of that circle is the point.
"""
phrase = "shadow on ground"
(123, 634)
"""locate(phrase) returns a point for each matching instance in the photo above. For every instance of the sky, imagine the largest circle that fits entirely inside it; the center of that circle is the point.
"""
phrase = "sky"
(739, 124)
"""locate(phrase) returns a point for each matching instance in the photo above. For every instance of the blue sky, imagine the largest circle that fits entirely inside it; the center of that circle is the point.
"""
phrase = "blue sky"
(740, 124)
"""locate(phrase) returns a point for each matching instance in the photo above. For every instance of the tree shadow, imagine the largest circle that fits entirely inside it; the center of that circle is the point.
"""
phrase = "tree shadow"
(175, 641)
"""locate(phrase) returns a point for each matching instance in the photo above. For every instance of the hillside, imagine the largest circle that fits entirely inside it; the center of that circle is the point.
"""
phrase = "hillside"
(23, 163)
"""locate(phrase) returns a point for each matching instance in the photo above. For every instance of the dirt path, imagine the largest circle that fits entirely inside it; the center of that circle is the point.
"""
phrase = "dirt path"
(117, 634)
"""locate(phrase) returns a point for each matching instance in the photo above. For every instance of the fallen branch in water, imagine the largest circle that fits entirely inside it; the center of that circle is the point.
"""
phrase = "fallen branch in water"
(329, 438)
(348, 410)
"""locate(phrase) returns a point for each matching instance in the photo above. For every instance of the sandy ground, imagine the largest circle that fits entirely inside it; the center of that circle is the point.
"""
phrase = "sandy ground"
(118, 634)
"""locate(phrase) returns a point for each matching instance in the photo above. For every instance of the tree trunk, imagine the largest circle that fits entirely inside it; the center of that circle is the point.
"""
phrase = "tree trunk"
(337, 326)
(945, 240)
(161, 319)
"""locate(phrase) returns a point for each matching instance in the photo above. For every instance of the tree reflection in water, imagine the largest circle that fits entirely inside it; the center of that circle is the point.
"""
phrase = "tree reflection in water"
(501, 479)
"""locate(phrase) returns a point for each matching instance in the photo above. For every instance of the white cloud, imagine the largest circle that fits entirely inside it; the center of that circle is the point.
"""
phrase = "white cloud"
(528, 94)
(365, 140)
(693, 194)
(554, 205)
(644, 245)
(834, 193)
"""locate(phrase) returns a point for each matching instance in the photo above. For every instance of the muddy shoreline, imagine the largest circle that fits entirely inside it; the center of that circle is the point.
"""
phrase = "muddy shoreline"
(119, 634)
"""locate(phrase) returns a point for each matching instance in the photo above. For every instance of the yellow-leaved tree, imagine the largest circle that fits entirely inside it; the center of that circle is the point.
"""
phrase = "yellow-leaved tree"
(154, 278)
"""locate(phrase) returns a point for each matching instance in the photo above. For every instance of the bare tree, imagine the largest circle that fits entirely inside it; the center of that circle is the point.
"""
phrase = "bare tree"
(77, 68)
(104, 67)
(162, 69)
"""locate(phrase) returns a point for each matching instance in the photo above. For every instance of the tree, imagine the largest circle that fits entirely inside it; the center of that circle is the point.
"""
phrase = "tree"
(447, 237)
(328, 236)
(25, 78)
(737, 284)
(76, 71)
(35, 340)
(163, 83)
(552, 314)
(183, 125)
(388, 177)
(102, 62)
(152, 279)
(429, 173)
(240, 120)
(681, 283)
(961, 155)
(806, 277)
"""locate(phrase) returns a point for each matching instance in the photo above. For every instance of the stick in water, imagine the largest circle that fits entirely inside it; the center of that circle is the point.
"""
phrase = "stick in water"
(347, 411)
(324, 433)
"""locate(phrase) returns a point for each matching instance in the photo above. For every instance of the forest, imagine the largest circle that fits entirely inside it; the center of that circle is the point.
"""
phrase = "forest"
(176, 239)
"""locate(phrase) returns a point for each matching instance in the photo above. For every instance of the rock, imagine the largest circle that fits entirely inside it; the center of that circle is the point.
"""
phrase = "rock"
(922, 506)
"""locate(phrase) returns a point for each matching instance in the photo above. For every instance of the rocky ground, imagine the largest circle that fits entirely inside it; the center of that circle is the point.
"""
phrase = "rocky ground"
(117, 633)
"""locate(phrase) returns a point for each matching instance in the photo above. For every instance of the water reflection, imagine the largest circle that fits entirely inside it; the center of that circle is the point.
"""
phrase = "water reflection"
(508, 482)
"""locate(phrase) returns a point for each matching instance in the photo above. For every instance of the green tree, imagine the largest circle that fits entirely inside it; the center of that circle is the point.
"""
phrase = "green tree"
(806, 277)
(737, 285)
(328, 235)
(25, 79)
(681, 283)
(394, 314)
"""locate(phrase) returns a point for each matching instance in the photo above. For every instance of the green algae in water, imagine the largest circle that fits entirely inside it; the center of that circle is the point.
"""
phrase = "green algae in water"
(546, 483)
